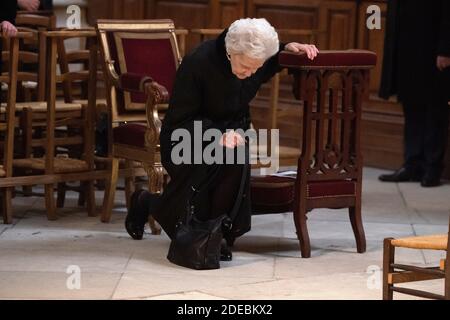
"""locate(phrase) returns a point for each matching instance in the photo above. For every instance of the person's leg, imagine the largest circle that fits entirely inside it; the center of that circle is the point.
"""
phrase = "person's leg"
(436, 138)
(414, 136)
(413, 142)
(223, 197)
(223, 194)
(140, 203)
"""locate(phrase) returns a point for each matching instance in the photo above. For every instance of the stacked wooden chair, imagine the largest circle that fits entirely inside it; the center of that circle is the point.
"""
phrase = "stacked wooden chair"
(8, 122)
(52, 168)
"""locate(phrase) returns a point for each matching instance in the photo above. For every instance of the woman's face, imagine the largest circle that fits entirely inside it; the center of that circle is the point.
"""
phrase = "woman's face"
(243, 66)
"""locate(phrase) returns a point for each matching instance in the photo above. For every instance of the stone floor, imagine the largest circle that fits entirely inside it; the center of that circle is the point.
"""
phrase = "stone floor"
(40, 259)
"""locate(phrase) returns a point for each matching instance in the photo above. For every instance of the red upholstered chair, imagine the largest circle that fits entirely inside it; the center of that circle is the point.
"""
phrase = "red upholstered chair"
(331, 90)
(140, 62)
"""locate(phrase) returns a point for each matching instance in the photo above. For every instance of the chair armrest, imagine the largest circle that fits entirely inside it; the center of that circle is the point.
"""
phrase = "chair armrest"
(156, 94)
(133, 82)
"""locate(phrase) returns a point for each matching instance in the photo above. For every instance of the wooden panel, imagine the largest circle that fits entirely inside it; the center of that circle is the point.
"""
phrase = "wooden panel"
(372, 40)
(100, 9)
(286, 14)
(225, 12)
(338, 20)
(137, 12)
(185, 14)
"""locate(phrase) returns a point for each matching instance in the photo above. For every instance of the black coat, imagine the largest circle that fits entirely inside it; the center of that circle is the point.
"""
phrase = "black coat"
(206, 90)
(8, 10)
(417, 31)
(46, 5)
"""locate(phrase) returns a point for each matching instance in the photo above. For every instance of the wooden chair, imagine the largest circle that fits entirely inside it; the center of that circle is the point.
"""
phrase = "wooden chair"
(51, 169)
(75, 68)
(140, 61)
(7, 125)
(394, 273)
(329, 175)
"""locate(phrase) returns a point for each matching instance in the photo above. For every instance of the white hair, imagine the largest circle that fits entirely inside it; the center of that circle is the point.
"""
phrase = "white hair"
(255, 38)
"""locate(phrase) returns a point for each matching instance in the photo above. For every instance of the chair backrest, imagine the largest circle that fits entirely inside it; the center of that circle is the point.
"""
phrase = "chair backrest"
(332, 89)
(7, 118)
(33, 51)
(75, 65)
(146, 47)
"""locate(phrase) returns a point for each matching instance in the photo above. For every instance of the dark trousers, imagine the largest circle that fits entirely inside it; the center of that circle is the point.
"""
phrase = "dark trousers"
(426, 135)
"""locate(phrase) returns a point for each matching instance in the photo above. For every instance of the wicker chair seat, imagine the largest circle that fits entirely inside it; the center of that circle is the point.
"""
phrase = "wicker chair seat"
(61, 165)
(42, 106)
(431, 242)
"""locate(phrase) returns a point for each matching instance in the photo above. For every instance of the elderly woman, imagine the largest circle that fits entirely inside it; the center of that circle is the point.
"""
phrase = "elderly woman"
(214, 84)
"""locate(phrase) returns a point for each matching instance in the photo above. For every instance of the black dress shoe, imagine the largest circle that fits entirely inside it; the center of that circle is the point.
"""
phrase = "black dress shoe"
(430, 180)
(225, 253)
(136, 217)
(402, 175)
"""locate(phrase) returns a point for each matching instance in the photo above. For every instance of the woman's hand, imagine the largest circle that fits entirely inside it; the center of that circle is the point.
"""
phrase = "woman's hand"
(442, 62)
(232, 139)
(309, 49)
(28, 5)
(8, 29)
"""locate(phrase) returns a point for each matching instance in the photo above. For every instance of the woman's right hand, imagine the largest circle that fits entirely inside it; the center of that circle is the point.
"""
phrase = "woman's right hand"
(232, 139)
(8, 29)
(28, 5)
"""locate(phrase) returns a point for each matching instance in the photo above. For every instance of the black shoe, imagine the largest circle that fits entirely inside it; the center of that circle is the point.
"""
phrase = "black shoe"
(430, 180)
(225, 252)
(136, 217)
(402, 175)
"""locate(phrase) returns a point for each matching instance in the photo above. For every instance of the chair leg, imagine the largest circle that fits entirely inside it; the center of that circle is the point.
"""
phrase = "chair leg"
(89, 191)
(7, 206)
(110, 190)
(27, 191)
(358, 228)
(26, 120)
(129, 184)
(388, 260)
(61, 197)
(155, 175)
(82, 196)
(447, 277)
(50, 204)
(302, 232)
(154, 226)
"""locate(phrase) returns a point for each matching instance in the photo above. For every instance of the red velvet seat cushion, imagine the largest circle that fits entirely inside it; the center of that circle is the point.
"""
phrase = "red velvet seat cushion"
(130, 134)
(324, 189)
(272, 194)
(329, 58)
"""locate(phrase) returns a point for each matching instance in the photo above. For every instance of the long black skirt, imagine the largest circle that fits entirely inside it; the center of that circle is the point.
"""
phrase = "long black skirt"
(216, 198)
